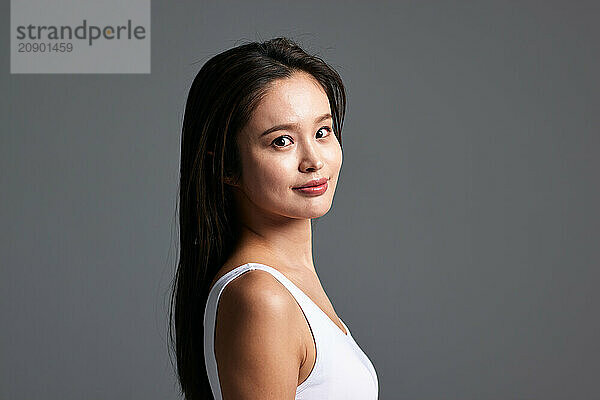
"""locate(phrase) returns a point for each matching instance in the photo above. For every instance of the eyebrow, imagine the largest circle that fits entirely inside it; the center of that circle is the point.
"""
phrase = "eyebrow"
(293, 126)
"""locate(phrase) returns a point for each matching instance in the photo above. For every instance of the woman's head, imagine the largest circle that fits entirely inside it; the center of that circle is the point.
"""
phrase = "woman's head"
(288, 141)
(225, 163)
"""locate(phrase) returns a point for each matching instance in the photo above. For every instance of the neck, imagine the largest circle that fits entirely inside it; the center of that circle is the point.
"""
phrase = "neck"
(286, 242)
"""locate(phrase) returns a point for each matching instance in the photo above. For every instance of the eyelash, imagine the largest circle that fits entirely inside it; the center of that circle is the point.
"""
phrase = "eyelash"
(328, 129)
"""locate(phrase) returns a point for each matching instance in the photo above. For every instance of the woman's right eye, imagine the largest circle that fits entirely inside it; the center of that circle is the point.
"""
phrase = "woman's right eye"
(280, 141)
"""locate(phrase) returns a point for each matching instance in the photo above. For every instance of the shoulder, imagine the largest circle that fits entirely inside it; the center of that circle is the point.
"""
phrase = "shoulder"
(257, 288)
(256, 302)
(256, 336)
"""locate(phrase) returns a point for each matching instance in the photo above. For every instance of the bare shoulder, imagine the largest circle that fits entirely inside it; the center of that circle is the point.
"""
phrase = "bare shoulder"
(259, 288)
(258, 345)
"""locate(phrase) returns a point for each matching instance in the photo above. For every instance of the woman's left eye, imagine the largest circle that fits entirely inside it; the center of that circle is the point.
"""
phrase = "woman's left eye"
(328, 129)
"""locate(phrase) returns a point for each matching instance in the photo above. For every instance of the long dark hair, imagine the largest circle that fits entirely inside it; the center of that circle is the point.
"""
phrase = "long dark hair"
(220, 102)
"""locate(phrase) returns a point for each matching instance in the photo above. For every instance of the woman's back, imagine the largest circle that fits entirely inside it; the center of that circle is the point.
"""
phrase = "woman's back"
(341, 369)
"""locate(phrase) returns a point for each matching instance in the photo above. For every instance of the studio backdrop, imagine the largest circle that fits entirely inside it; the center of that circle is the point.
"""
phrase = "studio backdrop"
(462, 245)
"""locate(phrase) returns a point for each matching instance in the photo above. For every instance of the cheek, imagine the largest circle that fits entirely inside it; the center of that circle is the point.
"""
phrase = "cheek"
(335, 159)
(267, 178)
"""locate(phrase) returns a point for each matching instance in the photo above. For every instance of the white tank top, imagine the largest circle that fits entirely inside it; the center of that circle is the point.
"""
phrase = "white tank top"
(341, 370)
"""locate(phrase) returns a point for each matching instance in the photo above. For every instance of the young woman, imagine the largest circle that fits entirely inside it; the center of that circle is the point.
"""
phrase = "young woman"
(260, 158)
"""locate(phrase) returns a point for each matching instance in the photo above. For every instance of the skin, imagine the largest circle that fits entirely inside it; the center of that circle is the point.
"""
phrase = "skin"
(263, 343)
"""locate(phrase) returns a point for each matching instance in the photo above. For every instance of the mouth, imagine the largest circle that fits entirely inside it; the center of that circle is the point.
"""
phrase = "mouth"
(312, 183)
(315, 189)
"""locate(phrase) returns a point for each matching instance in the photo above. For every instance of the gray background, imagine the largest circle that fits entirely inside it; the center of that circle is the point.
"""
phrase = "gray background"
(462, 247)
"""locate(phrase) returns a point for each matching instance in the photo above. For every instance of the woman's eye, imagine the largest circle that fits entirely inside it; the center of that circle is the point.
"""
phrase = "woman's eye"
(328, 129)
(280, 141)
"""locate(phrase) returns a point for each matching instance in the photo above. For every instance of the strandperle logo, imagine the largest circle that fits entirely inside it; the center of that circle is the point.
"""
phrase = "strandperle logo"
(81, 32)
(80, 37)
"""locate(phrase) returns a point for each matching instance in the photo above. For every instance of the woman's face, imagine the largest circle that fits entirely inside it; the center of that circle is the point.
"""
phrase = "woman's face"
(273, 164)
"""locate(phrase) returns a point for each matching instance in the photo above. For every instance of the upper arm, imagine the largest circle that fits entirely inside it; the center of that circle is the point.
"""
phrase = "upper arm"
(257, 346)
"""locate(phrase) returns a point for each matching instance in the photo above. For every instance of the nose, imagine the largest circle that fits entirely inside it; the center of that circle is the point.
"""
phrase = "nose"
(311, 159)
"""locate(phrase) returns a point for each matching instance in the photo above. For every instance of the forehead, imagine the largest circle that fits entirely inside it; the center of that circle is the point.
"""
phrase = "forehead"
(298, 99)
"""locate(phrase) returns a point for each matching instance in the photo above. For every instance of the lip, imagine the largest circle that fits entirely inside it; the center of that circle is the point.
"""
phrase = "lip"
(313, 183)
(313, 190)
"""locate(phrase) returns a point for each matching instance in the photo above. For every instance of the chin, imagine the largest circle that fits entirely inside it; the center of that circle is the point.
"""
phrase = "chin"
(314, 212)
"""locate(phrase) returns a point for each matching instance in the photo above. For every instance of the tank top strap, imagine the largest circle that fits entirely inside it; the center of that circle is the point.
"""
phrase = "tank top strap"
(298, 294)
(311, 310)
(316, 319)
(215, 292)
